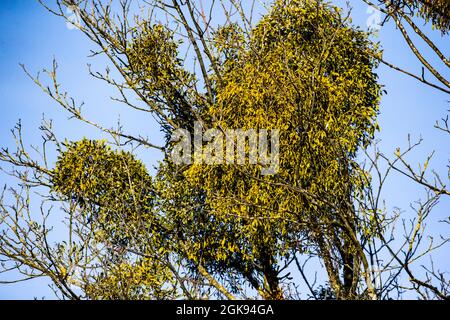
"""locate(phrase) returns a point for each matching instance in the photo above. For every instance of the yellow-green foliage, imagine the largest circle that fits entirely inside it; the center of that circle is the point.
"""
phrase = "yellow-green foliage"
(156, 69)
(308, 73)
(436, 11)
(303, 70)
(124, 281)
(216, 241)
(153, 56)
(115, 193)
(112, 187)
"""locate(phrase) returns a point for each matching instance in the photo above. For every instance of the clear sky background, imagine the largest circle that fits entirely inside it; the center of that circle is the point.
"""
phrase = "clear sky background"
(30, 35)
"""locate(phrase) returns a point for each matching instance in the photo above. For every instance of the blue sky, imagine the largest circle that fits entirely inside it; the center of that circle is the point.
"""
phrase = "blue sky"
(32, 36)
